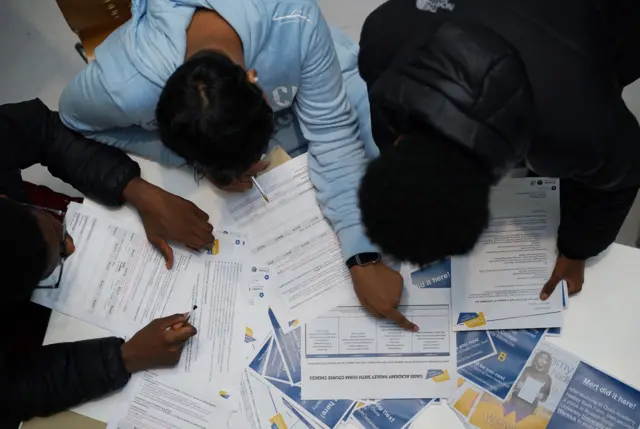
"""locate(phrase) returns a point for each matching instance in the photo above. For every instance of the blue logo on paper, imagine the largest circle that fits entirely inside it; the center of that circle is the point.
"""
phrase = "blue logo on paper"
(266, 277)
(237, 241)
(261, 295)
(434, 276)
(434, 373)
(465, 317)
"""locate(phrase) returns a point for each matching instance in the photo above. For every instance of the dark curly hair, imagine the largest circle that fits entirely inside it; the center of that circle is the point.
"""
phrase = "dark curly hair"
(425, 199)
(23, 251)
(213, 117)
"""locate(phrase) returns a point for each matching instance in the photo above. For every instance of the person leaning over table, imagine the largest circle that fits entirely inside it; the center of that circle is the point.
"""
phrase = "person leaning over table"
(463, 90)
(198, 81)
(37, 380)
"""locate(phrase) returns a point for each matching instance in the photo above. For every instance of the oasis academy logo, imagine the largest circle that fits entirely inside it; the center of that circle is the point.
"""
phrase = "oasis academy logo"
(295, 16)
(434, 6)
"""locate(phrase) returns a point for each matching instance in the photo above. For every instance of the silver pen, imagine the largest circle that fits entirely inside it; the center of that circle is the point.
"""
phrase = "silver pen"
(259, 188)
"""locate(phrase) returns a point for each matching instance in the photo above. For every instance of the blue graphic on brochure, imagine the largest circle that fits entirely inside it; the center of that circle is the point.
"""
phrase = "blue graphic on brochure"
(473, 346)
(329, 412)
(259, 362)
(595, 399)
(275, 367)
(279, 361)
(497, 374)
(390, 413)
(556, 390)
(289, 345)
(434, 276)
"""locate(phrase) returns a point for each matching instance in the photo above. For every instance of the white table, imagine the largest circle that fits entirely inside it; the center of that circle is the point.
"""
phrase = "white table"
(599, 325)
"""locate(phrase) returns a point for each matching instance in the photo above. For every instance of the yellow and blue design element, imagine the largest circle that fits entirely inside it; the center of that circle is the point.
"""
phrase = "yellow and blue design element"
(248, 335)
(277, 422)
(215, 249)
(472, 320)
(490, 414)
(293, 323)
(224, 394)
(438, 375)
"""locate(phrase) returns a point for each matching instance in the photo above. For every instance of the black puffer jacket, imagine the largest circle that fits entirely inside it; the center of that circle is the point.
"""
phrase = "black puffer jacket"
(518, 80)
(62, 375)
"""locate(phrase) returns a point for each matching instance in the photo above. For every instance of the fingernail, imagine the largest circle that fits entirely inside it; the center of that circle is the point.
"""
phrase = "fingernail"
(415, 328)
(544, 296)
(186, 314)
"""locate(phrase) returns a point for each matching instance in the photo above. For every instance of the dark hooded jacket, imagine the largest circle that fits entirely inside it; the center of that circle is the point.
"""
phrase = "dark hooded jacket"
(518, 81)
(58, 376)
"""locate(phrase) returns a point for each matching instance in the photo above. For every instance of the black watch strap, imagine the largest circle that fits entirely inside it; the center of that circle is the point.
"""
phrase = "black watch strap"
(363, 259)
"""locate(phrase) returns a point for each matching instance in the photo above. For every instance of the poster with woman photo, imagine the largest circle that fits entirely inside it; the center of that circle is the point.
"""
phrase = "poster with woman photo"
(535, 394)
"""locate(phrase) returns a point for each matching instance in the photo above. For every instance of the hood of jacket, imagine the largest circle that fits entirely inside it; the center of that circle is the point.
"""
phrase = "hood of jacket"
(466, 82)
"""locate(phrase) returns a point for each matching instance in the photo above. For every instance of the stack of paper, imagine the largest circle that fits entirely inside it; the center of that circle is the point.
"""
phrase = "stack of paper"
(498, 285)
(282, 339)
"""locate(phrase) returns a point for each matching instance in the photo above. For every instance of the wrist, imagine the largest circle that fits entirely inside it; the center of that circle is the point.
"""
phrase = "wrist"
(362, 260)
(135, 190)
(128, 358)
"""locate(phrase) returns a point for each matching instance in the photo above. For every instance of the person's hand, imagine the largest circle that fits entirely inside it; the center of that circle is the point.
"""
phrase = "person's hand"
(243, 183)
(379, 289)
(167, 217)
(159, 344)
(570, 270)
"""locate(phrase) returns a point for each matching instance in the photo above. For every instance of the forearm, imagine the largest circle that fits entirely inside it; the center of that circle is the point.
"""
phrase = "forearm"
(336, 182)
(98, 171)
(138, 141)
(590, 218)
(61, 376)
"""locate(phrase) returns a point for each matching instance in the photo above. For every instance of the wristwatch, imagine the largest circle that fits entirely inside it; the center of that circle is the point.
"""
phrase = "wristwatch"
(363, 259)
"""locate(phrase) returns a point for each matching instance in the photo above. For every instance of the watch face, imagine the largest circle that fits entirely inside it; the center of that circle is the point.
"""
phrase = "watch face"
(368, 258)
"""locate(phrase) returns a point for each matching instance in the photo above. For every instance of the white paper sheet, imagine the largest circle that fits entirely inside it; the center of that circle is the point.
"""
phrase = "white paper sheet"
(346, 352)
(258, 326)
(152, 402)
(291, 237)
(216, 354)
(530, 389)
(502, 278)
(116, 279)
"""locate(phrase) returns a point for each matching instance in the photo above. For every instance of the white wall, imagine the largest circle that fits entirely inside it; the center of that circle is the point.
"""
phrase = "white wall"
(38, 59)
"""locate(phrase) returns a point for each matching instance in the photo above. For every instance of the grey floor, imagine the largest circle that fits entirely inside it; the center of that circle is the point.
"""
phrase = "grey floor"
(38, 60)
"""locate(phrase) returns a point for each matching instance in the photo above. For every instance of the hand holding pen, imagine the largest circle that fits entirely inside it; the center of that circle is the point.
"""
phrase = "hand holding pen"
(159, 344)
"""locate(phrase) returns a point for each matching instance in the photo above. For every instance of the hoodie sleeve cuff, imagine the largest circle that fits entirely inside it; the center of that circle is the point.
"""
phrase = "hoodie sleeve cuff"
(354, 241)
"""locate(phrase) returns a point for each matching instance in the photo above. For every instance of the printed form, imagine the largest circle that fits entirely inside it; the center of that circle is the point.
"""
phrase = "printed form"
(216, 354)
(116, 279)
(291, 237)
(153, 402)
(347, 353)
(498, 285)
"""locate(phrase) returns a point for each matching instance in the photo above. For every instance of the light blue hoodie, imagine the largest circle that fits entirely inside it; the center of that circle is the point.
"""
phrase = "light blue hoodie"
(288, 43)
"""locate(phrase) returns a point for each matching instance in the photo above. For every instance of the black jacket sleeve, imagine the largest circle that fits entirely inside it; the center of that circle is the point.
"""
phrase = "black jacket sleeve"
(590, 218)
(60, 376)
(33, 134)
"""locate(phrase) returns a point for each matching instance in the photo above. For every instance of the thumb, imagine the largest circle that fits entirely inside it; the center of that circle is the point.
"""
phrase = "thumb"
(169, 321)
(164, 249)
(549, 287)
(182, 334)
(257, 168)
(401, 321)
